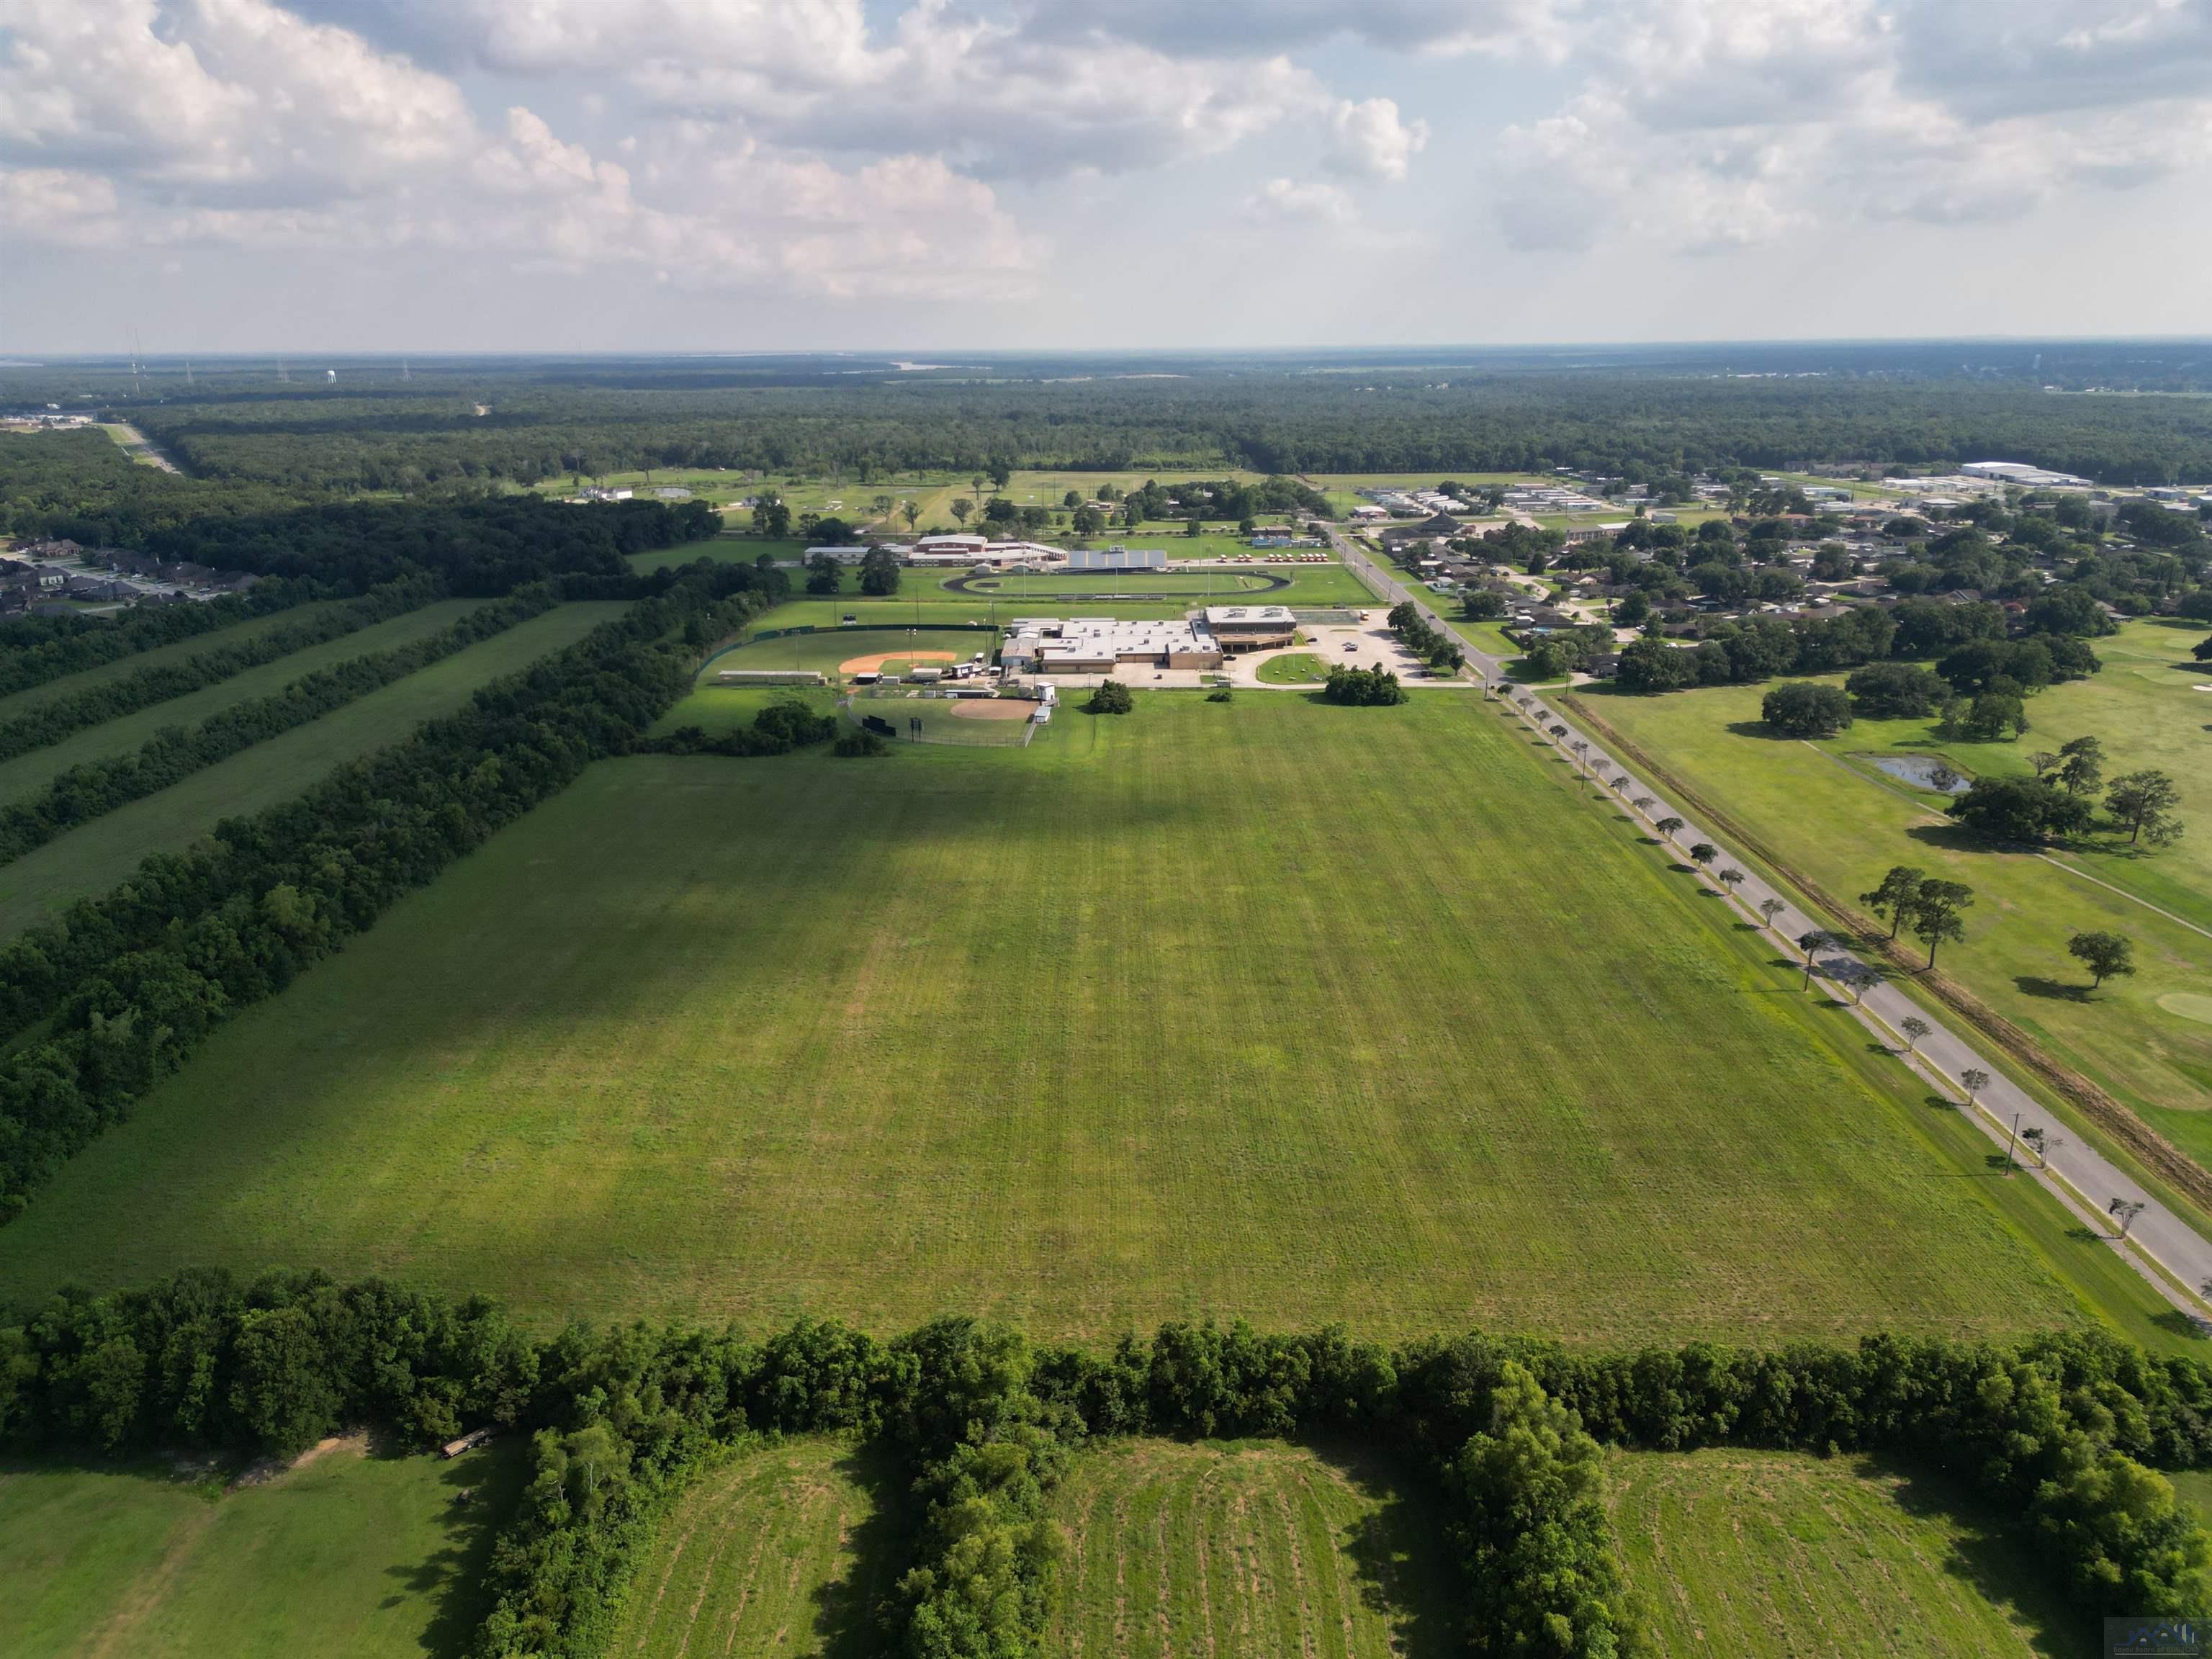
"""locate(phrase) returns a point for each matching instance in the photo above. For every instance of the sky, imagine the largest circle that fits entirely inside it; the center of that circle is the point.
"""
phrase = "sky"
(753, 175)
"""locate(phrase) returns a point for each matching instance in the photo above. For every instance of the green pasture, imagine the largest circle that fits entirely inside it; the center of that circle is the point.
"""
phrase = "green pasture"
(1248, 1550)
(1773, 1555)
(1827, 811)
(19, 703)
(28, 773)
(776, 1552)
(715, 709)
(352, 1552)
(106, 850)
(1270, 1009)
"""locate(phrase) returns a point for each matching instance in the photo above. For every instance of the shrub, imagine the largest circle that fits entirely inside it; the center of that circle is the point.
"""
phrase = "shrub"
(1109, 697)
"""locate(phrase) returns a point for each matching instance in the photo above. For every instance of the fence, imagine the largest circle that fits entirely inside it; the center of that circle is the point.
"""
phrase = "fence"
(929, 717)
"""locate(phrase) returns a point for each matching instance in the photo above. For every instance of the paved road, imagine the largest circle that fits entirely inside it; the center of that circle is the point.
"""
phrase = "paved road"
(2082, 1178)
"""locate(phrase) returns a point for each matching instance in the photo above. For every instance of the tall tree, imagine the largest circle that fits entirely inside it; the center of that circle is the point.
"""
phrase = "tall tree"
(1938, 913)
(2106, 956)
(2081, 769)
(2144, 802)
(1894, 898)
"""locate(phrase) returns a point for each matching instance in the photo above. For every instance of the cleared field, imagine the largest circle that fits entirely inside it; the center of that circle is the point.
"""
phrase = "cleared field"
(105, 851)
(776, 1552)
(1268, 1008)
(1242, 1548)
(1827, 811)
(29, 773)
(351, 1553)
(20, 702)
(1776, 1554)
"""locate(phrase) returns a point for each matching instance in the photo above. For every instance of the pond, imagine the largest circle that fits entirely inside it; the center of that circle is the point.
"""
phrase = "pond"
(1930, 772)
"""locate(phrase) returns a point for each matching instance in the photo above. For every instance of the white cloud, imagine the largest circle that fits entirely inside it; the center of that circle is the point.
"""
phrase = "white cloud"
(237, 122)
(1308, 202)
(1369, 141)
(1707, 127)
(1009, 94)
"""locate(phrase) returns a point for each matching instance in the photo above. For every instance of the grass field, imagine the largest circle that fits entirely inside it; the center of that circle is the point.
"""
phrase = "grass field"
(823, 650)
(1267, 1008)
(28, 774)
(20, 702)
(1252, 1549)
(1823, 809)
(776, 1553)
(1296, 668)
(351, 1554)
(95, 856)
(1772, 1555)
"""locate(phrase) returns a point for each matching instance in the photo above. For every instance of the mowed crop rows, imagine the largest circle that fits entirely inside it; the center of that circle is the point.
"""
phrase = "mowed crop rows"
(1774, 1555)
(762, 1556)
(29, 773)
(1245, 1552)
(98, 854)
(354, 1553)
(1268, 1008)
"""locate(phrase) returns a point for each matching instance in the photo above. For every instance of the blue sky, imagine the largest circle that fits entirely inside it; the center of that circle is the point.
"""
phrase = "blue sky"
(763, 174)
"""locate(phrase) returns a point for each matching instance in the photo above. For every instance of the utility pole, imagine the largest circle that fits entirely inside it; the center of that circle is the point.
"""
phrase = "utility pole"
(2009, 1139)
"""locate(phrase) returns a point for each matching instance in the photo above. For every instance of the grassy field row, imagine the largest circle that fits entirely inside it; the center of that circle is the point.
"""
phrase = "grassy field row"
(351, 1554)
(778, 1552)
(1824, 810)
(1266, 1008)
(105, 851)
(1745, 1552)
(28, 773)
(1254, 1548)
(18, 703)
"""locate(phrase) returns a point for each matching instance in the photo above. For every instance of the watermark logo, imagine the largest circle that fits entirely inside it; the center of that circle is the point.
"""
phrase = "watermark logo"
(2154, 1638)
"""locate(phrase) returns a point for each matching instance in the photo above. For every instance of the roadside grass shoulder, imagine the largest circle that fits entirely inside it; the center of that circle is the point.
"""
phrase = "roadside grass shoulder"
(1843, 827)
(105, 851)
(352, 1552)
(1768, 1554)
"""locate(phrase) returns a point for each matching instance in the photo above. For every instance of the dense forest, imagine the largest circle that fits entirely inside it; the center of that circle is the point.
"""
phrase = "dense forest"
(1652, 413)
(1311, 423)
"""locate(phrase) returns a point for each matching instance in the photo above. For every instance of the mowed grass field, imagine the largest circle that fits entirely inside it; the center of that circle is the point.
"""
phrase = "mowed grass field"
(28, 774)
(351, 1554)
(18, 703)
(106, 850)
(1823, 808)
(1266, 1008)
(1774, 1555)
(774, 1554)
(1246, 1550)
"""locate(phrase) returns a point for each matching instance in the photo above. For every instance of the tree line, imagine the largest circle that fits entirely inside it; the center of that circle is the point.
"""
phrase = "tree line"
(128, 984)
(1443, 655)
(1397, 420)
(50, 721)
(2064, 1433)
(175, 752)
